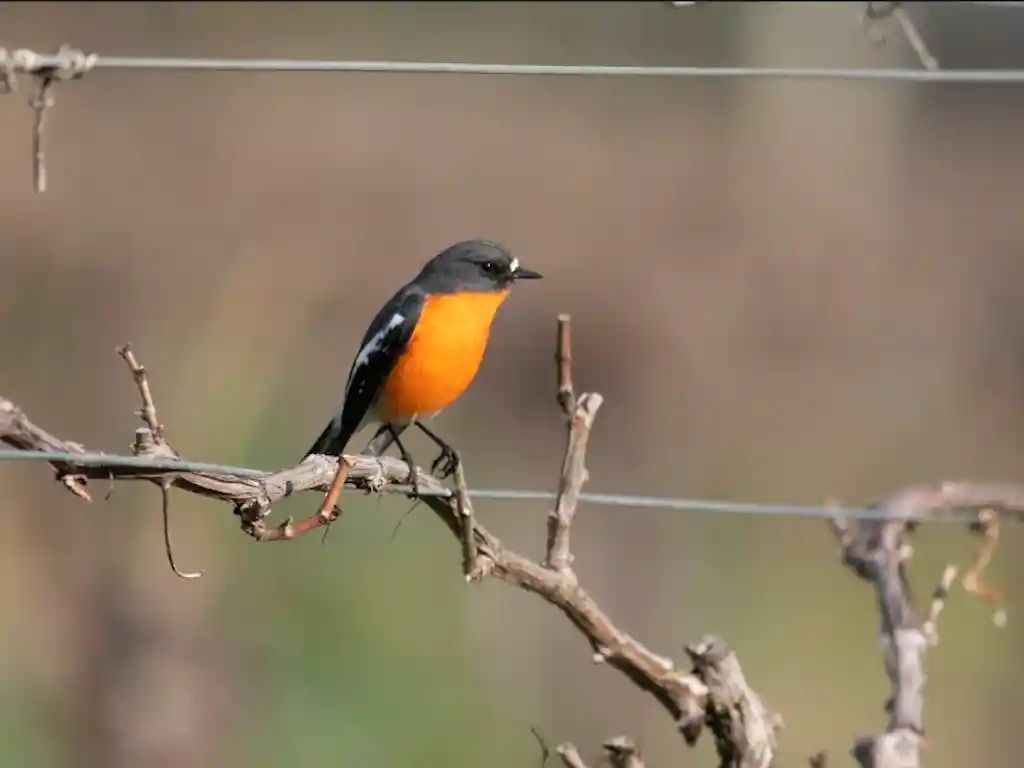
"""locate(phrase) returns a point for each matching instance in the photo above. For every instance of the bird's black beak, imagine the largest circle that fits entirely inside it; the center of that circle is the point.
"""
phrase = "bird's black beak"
(526, 274)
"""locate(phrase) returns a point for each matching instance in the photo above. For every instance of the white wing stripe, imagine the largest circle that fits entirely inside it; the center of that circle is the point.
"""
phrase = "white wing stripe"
(373, 346)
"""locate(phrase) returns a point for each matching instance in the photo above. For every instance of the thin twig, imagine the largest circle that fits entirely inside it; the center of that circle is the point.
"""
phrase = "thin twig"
(939, 596)
(66, 64)
(563, 365)
(987, 526)
(928, 61)
(148, 412)
(165, 491)
(570, 756)
(545, 751)
(472, 565)
(75, 482)
(570, 482)
(330, 501)
(41, 103)
(581, 415)
(326, 514)
(875, 12)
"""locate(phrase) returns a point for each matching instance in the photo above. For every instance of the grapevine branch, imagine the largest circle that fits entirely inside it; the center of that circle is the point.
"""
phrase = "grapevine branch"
(877, 552)
(713, 693)
(683, 693)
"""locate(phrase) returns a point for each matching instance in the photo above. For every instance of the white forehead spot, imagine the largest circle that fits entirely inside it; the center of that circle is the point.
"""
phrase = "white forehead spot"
(514, 265)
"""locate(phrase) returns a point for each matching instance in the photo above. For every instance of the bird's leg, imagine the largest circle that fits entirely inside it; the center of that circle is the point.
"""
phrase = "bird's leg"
(381, 440)
(447, 460)
(407, 458)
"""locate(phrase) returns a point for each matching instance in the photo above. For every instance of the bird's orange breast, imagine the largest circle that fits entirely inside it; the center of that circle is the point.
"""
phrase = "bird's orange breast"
(442, 357)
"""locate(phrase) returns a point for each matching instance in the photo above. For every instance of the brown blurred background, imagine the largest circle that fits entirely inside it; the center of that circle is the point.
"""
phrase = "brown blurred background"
(787, 291)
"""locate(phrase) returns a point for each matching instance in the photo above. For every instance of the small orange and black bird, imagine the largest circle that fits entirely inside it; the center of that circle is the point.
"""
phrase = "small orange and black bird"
(424, 348)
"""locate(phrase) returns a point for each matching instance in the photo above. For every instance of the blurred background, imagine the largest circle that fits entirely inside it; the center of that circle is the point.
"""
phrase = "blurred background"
(786, 290)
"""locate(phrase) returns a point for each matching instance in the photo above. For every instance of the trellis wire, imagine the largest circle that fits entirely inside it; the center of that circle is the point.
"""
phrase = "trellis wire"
(963, 76)
(679, 504)
(991, 76)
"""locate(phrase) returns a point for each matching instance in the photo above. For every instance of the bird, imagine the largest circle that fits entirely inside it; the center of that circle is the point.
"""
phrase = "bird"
(423, 349)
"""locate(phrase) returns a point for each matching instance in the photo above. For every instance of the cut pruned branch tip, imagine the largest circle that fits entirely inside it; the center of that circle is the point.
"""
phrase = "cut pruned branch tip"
(148, 411)
(877, 11)
(581, 413)
(67, 64)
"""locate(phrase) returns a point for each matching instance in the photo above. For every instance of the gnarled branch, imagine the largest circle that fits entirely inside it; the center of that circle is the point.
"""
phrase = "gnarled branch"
(713, 694)
(744, 729)
(252, 496)
(877, 551)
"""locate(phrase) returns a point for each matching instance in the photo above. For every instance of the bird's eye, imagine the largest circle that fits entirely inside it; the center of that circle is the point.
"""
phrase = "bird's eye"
(491, 268)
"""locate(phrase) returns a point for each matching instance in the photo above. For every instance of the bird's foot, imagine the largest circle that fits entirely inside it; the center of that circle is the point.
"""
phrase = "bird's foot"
(444, 465)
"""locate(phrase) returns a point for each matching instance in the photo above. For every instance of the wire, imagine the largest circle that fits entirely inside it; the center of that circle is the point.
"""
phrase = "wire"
(992, 76)
(98, 459)
(603, 499)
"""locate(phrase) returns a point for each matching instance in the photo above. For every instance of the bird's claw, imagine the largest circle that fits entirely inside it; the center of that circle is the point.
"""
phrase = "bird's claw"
(444, 465)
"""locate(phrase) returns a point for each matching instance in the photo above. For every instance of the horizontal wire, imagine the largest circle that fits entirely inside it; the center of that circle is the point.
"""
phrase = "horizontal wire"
(472, 68)
(100, 459)
(94, 459)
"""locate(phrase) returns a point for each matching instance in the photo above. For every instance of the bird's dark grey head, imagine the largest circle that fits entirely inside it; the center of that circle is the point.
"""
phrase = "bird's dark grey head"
(473, 265)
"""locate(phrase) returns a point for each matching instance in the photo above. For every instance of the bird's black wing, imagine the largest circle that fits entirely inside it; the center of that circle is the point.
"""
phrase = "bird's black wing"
(383, 343)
